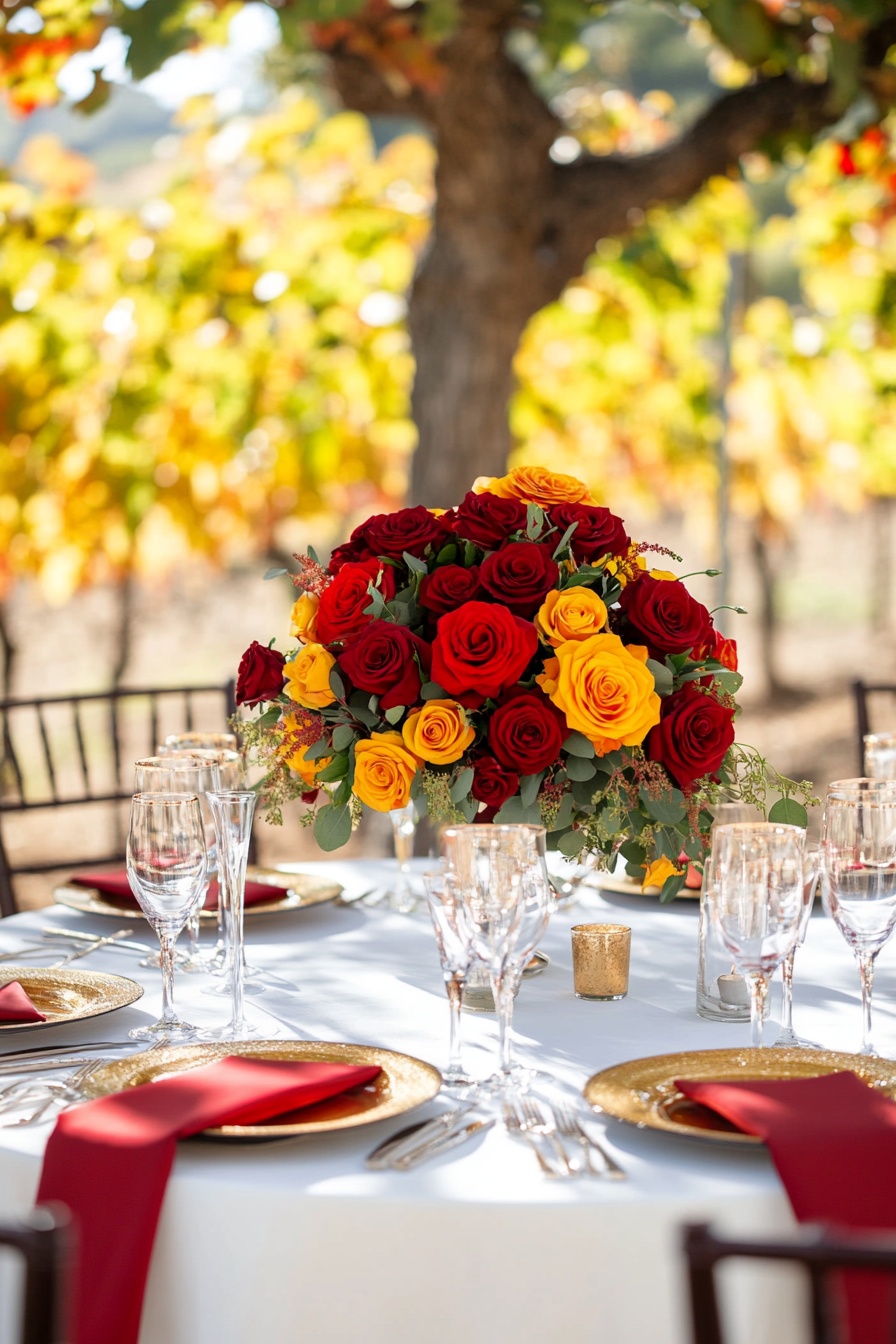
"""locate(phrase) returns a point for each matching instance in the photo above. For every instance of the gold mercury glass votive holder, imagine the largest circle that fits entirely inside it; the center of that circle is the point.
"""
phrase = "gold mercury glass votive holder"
(600, 960)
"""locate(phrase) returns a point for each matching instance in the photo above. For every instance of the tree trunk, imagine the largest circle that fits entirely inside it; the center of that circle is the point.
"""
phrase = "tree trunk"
(124, 630)
(881, 565)
(768, 617)
(8, 653)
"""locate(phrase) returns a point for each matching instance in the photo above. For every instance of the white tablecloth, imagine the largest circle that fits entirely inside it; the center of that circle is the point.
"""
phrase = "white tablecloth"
(296, 1241)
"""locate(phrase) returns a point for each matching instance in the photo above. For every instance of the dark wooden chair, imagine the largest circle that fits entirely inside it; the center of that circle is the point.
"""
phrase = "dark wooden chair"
(66, 769)
(822, 1254)
(864, 693)
(44, 1242)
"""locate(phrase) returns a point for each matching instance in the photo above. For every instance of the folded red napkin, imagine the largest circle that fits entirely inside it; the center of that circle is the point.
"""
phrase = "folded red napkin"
(15, 1005)
(109, 1161)
(115, 885)
(833, 1141)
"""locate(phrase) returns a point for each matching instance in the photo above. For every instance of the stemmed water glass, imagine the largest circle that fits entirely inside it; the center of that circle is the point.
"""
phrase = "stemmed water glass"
(233, 811)
(859, 874)
(812, 867)
(166, 866)
(502, 879)
(755, 888)
(454, 941)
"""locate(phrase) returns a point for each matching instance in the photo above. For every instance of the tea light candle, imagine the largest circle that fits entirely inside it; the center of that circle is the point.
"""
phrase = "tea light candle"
(733, 991)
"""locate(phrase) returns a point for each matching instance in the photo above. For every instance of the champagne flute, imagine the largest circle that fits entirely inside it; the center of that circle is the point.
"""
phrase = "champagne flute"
(787, 1037)
(233, 811)
(755, 888)
(859, 875)
(454, 941)
(502, 878)
(167, 870)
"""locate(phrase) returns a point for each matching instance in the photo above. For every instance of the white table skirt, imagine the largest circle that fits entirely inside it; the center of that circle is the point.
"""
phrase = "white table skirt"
(295, 1242)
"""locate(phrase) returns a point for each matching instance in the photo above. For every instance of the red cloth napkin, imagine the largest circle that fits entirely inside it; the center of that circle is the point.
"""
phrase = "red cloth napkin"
(15, 1005)
(109, 1161)
(833, 1141)
(114, 885)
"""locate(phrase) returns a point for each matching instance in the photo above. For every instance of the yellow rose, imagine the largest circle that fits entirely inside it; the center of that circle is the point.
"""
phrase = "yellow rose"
(294, 754)
(535, 485)
(439, 732)
(604, 690)
(575, 613)
(308, 677)
(303, 620)
(657, 872)
(384, 772)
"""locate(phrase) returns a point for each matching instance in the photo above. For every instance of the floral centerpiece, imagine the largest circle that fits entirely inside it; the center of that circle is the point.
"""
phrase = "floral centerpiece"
(514, 658)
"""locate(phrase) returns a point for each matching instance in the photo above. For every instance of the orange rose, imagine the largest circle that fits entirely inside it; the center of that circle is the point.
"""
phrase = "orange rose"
(308, 677)
(535, 485)
(303, 619)
(439, 732)
(575, 613)
(384, 772)
(294, 756)
(604, 690)
(657, 872)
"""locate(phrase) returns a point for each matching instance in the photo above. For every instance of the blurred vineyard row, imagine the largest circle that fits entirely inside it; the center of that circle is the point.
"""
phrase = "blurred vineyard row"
(226, 372)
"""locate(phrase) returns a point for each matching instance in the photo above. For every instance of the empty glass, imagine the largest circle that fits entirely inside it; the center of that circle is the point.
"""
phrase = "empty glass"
(754, 879)
(454, 941)
(880, 755)
(859, 875)
(200, 742)
(233, 811)
(400, 896)
(503, 882)
(166, 866)
(811, 869)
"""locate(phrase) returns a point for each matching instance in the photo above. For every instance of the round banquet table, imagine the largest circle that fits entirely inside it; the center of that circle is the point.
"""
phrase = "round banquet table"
(295, 1241)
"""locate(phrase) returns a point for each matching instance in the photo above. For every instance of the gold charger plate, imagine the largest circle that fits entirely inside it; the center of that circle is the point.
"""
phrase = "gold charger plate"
(297, 891)
(405, 1082)
(67, 995)
(642, 1092)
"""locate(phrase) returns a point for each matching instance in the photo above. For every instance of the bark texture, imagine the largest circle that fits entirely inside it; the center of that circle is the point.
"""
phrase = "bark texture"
(511, 228)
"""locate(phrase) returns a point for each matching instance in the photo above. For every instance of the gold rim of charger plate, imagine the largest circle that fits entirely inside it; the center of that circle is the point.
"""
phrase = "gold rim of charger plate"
(69, 995)
(300, 892)
(405, 1084)
(642, 1092)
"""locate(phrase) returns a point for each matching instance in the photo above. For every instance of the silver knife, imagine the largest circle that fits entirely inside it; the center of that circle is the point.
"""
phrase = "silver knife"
(47, 1051)
(435, 1147)
(95, 945)
(412, 1136)
(49, 932)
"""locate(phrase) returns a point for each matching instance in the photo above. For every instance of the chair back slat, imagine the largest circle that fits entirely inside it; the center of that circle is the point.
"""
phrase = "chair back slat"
(70, 751)
(44, 1241)
(863, 692)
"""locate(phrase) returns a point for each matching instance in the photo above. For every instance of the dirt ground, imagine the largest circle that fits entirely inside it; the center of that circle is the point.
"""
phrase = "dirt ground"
(196, 630)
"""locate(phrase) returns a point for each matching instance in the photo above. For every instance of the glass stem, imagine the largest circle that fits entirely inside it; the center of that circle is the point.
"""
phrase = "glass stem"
(167, 959)
(193, 935)
(237, 952)
(787, 976)
(503, 996)
(455, 987)
(866, 976)
(758, 990)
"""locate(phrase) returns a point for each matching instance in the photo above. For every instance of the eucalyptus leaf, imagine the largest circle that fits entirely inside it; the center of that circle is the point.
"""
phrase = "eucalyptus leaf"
(788, 812)
(669, 810)
(572, 843)
(343, 736)
(583, 792)
(275, 573)
(395, 713)
(462, 785)
(529, 786)
(662, 676)
(414, 565)
(322, 747)
(431, 690)
(333, 826)
(515, 813)
(337, 769)
(565, 812)
(578, 768)
(671, 887)
(343, 792)
(337, 685)
(577, 744)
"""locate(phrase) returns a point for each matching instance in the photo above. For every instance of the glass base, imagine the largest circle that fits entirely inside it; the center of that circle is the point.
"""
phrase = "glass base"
(602, 998)
(788, 1040)
(244, 1032)
(176, 1032)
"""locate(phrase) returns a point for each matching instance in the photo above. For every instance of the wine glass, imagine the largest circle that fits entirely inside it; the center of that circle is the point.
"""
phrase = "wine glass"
(198, 773)
(787, 1037)
(503, 882)
(167, 870)
(859, 875)
(200, 742)
(754, 879)
(454, 941)
(880, 755)
(400, 897)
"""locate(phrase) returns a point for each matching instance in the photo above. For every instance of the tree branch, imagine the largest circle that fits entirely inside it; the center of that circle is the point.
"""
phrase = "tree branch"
(361, 87)
(595, 196)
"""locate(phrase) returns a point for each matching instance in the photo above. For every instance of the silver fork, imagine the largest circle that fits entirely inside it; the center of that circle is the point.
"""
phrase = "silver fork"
(515, 1122)
(598, 1160)
(20, 1093)
(541, 1121)
(63, 1094)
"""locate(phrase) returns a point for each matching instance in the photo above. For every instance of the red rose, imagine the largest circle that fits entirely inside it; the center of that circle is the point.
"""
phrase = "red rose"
(520, 575)
(350, 552)
(493, 784)
(448, 588)
(260, 675)
(665, 616)
(382, 660)
(526, 732)
(409, 530)
(479, 650)
(598, 531)
(692, 736)
(488, 521)
(341, 611)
